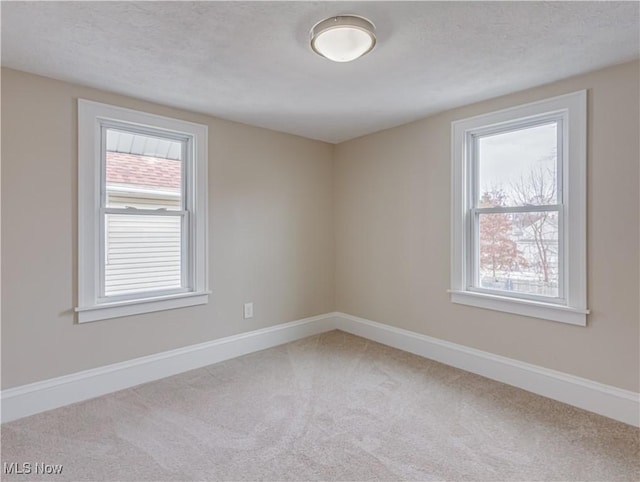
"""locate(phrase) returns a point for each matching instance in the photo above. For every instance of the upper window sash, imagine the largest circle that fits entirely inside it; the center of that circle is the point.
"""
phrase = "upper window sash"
(471, 149)
(518, 209)
(187, 155)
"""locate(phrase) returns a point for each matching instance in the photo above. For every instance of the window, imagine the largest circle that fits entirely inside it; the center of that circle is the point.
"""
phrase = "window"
(519, 210)
(142, 212)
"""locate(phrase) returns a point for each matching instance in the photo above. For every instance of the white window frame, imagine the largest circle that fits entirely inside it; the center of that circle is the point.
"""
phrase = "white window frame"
(93, 117)
(570, 111)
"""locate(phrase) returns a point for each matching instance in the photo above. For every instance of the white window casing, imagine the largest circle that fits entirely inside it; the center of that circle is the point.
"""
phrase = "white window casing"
(569, 112)
(186, 241)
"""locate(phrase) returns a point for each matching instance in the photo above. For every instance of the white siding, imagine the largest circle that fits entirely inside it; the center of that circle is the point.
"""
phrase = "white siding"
(142, 252)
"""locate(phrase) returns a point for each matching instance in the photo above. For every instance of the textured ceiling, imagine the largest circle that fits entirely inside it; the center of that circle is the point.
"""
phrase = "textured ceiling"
(251, 61)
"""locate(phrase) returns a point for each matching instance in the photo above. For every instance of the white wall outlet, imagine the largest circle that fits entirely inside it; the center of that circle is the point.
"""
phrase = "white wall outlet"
(248, 310)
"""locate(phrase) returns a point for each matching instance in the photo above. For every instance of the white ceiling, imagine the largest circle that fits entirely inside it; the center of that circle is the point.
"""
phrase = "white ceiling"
(251, 61)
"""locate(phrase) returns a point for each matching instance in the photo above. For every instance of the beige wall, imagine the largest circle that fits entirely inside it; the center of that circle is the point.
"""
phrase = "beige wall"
(392, 194)
(274, 239)
(270, 226)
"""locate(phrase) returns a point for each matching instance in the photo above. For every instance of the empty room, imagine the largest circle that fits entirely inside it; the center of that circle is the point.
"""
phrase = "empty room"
(340, 241)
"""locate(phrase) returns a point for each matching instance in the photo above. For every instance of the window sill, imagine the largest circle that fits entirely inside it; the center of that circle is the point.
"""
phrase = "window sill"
(118, 309)
(535, 309)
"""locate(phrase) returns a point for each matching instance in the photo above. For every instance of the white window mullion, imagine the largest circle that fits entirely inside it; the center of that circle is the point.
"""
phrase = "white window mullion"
(474, 279)
(562, 175)
(103, 257)
(187, 248)
(188, 235)
(563, 261)
(518, 209)
(470, 201)
(143, 212)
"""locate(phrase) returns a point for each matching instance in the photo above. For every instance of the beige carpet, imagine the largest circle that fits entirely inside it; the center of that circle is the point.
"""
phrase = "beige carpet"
(329, 407)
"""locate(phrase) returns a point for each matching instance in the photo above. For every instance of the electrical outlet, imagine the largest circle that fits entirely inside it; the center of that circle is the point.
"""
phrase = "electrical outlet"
(248, 310)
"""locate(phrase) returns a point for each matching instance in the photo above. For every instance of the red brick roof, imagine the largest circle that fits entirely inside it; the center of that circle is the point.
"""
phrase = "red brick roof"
(143, 171)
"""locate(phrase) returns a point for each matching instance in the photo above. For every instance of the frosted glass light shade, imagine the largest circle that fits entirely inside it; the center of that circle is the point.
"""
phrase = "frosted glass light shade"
(343, 39)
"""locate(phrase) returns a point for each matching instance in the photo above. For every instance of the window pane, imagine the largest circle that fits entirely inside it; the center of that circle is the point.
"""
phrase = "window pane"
(518, 168)
(142, 253)
(142, 171)
(518, 252)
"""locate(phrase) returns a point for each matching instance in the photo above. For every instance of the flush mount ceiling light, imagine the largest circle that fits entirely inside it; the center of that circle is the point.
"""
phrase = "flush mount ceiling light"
(343, 38)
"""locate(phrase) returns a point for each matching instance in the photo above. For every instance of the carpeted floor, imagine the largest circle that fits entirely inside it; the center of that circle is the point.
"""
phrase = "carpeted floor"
(329, 407)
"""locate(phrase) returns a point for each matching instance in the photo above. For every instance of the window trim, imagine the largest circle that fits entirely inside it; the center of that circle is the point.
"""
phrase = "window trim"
(92, 118)
(572, 109)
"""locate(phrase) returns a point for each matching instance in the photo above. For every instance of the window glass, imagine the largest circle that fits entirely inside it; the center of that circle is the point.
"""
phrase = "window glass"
(520, 164)
(143, 226)
(516, 218)
(142, 249)
(518, 252)
(142, 253)
(143, 171)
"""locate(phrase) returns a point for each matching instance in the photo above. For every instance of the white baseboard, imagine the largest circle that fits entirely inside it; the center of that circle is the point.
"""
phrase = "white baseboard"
(612, 402)
(41, 396)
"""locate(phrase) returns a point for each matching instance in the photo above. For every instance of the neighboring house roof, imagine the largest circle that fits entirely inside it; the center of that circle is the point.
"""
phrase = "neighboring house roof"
(143, 171)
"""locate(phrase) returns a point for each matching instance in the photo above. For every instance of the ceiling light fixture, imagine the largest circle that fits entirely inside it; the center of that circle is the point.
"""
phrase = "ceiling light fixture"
(343, 38)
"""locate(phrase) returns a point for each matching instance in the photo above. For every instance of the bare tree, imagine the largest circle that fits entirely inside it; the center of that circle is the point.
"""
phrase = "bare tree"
(538, 188)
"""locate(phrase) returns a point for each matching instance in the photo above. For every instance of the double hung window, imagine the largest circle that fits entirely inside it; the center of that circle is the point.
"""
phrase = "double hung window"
(518, 218)
(142, 212)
